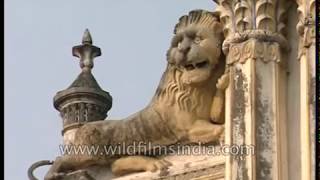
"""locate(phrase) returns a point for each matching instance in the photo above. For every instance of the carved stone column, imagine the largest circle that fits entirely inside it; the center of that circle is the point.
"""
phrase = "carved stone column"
(256, 49)
(306, 30)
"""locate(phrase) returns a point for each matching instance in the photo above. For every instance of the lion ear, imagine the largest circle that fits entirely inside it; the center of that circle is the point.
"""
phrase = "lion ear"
(217, 26)
(222, 59)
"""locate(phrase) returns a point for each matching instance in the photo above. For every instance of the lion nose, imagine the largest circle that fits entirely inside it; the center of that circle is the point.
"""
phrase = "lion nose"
(184, 47)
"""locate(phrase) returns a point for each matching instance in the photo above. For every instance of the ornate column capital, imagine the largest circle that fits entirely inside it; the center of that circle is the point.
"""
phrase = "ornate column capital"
(306, 25)
(259, 35)
(248, 19)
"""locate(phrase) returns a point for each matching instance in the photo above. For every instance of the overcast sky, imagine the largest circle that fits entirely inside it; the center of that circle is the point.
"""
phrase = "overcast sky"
(39, 35)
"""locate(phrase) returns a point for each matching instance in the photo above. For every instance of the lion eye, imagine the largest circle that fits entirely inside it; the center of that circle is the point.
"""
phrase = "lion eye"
(197, 40)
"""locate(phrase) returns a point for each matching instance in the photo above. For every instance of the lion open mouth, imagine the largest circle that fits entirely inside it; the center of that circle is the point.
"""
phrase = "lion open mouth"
(199, 65)
(196, 72)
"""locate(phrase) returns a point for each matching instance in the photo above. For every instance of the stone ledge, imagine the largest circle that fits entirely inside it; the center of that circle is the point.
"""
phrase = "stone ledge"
(184, 167)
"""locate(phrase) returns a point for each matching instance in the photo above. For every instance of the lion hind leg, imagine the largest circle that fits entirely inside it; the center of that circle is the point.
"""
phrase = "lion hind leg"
(131, 164)
(56, 170)
(67, 163)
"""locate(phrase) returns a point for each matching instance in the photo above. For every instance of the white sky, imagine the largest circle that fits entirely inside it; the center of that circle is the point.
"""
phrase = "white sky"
(39, 35)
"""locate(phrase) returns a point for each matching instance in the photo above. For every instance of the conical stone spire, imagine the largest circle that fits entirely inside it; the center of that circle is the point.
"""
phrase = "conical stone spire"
(86, 39)
(84, 100)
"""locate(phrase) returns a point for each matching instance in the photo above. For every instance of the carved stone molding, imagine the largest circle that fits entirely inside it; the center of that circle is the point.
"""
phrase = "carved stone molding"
(254, 49)
(260, 35)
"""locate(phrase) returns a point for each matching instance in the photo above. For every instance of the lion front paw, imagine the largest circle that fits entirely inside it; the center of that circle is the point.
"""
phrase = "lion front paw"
(133, 164)
(223, 82)
(157, 164)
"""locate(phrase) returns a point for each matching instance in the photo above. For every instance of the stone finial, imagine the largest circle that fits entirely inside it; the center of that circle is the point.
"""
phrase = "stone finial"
(84, 100)
(86, 52)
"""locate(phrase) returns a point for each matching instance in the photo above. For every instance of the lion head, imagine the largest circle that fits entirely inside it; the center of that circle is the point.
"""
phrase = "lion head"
(196, 47)
(195, 62)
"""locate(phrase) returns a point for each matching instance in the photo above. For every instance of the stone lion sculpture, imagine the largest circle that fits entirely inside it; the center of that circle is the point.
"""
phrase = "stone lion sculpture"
(187, 106)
